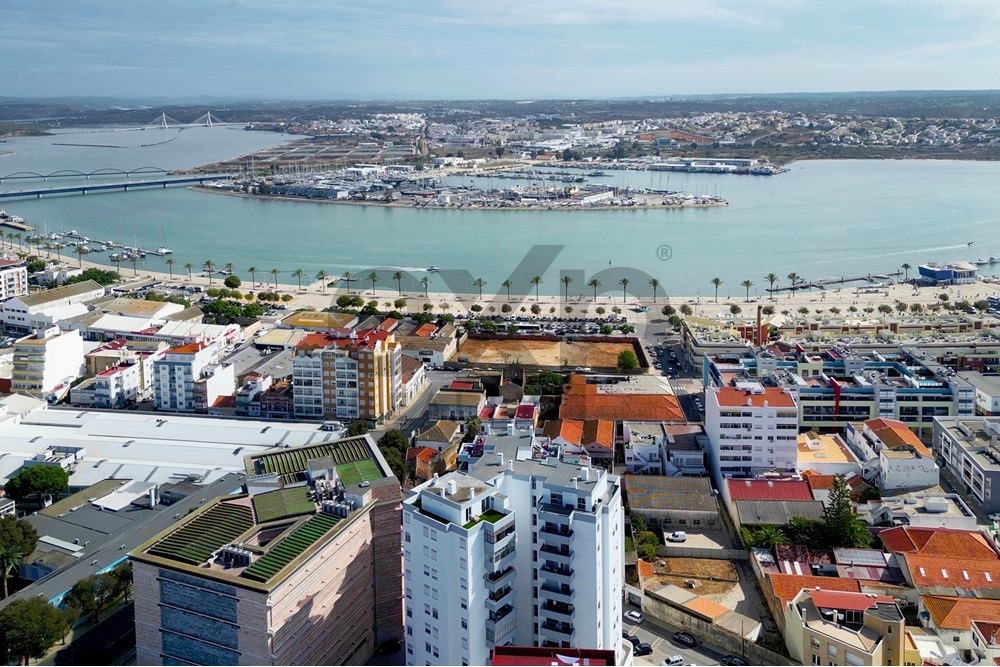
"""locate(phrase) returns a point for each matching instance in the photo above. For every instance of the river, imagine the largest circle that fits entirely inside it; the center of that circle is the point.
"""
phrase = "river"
(821, 219)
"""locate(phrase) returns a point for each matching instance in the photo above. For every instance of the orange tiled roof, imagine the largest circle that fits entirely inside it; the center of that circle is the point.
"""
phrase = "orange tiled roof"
(940, 542)
(424, 330)
(190, 348)
(990, 630)
(582, 401)
(570, 430)
(817, 480)
(953, 613)
(895, 434)
(775, 397)
(956, 570)
(598, 432)
(705, 607)
(787, 586)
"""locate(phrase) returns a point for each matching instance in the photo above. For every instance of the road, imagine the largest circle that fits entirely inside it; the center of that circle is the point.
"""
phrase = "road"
(414, 416)
(660, 638)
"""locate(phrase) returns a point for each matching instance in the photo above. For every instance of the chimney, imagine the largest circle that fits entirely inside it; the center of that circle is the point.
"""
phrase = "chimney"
(500, 459)
(434, 481)
(510, 465)
(152, 497)
(585, 474)
(576, 483)
(452, 487)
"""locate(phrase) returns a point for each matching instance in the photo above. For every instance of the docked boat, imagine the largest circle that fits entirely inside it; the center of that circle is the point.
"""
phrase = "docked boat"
(982, 260)
(432, 269)
(994, 259)
(162, 250)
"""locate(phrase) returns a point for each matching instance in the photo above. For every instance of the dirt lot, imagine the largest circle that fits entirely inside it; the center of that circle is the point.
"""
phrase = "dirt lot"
(542, 353)
(712, 577)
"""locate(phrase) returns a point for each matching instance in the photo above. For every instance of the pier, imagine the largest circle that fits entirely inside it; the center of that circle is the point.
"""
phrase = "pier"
(822, 283)
(107, 187)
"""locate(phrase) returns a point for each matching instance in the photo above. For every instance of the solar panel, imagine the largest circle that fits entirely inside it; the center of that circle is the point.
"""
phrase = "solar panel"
(865, 557)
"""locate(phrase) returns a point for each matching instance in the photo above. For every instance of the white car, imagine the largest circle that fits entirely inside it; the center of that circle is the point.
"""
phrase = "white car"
(677, 536)
(673, 660)
(633, 616)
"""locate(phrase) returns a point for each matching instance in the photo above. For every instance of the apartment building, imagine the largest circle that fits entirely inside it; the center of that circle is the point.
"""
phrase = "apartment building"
(525, 548)
(751, 429)
(824, 627)
(187, 379)
(278, 575)
(43, 309)
(969, 449)
(903, 462)
(113, 387)
(46, 363)
(13, 279)
(347, 375)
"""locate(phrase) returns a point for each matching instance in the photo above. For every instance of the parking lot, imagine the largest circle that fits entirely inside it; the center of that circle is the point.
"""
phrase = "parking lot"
(660, 638)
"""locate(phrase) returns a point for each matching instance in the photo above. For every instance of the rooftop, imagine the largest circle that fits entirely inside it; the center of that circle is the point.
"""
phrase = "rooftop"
(760, 489)
(928, 571)
(628, 398)
(64, 292)
(653, 492)
(821, 448)
(773, 397)
(940, 542)
(954, 613)
(777, 512)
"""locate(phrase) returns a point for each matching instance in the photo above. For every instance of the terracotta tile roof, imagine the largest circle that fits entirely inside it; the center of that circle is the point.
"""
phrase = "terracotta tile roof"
(956, 570)
(940, 542)
(410, 366)
(990, 630)
(525, 411)
(847, 601)
(225, 402)
(424, 330)
(787, 586)
(818, 481)
(190, 348)
(598, 432)
(440, 431)
(953, 613)
(775, 397)
(460, 385)
(583, 401)
(762, 489)
(895, 434)
(570, 430)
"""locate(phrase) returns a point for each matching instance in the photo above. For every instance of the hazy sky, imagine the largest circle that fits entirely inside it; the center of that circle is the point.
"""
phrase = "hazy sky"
(493, 48)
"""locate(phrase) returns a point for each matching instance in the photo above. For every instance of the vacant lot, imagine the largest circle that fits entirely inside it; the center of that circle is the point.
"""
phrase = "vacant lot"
(542, 352)
(709, 576)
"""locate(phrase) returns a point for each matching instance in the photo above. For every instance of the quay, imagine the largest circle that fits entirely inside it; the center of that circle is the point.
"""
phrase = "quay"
(822, 283)
(107, 187)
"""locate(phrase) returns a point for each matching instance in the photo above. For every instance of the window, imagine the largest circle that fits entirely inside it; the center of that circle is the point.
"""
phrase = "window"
(816, 659)
(831, 650)
(465, 624)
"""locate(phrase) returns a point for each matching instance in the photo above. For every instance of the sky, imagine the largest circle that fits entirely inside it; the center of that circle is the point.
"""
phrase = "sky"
(494, 49)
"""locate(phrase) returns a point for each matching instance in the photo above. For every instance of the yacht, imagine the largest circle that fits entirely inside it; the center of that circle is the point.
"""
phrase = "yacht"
(982, 260)
(432, 269)
(994, 259)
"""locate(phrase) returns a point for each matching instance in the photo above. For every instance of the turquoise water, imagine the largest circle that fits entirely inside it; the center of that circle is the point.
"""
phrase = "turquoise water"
(821, 219)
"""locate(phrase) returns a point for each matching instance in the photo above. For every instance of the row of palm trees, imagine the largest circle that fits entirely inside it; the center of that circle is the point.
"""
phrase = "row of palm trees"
(793, 278)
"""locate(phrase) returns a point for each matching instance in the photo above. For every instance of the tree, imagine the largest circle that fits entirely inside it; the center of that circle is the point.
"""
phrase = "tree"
(80, 252)
(654, 283)
(135, 268)
(771, 278)
(506, 285)
(566, 280)
(11, 558)
(373, 278)
(747, 284)
(595, 283)
(606, 329)
(768, 537)
(187, 266)
(297, 274)
(767, 310)
(321, 276)
(667, 311)
(627, 361)
(716, 282)
(37, 480)
(28, 629)
(170, 266)
(121, 577)
(803, 311)
(92, 595)
(209, 267)
(505, 308)
(473, 426)
(885, 309)
(424, 282)
(686, 310)
(906, 268)
(901, 307)
(844, 528)
(982, 305)
(357, 427)
(835, 310)
(274, 273)
(399, 304)
(735, 310)
(480, 283)
(232, 282)
(804, 531)
(624, 283)
(794, 279)
(17, 533)
(535, 309)
(253, 275)
(536, 281)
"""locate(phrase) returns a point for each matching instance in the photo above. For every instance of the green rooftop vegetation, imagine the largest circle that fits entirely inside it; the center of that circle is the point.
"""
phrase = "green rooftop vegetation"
(289, 547)
(296, 460)
(491, 516)
(194, 542)
(358, 471)
(275, 505)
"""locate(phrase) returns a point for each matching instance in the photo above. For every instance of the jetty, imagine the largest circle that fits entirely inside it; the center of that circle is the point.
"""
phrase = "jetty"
(823, 283)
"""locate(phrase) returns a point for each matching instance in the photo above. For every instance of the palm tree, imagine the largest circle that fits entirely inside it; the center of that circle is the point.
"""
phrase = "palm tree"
(747, 284)
(229, 268)
(624, 283)
(536, 281)
(373, 278)
(80, 252)
(321, 277)
(348, 278)
(424, 282)
(654, 283)
(480, 283)
(906, 267)
(10, 559)
(716, 282)
(187, 266)
(297, 274)
(253, 275)
(595, 283)
(398, 277)
(794, 278)
(209, 267)
(566, 280)
(170, 266)
(135, 269)
(506, 285)
(275, 272)
(771, 278)
(19, 236)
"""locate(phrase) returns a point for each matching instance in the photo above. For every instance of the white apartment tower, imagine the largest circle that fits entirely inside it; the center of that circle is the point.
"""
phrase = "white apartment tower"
(751, 429)
(526, 548)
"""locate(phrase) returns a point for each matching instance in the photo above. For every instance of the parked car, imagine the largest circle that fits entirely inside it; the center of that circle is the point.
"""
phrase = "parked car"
(677, 536)
(685, 639)
(632, 616)
(635, 641)
(672, 660)
(642, 648)
(734, 660)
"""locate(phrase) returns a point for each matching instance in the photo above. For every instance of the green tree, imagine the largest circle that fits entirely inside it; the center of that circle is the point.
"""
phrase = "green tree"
(505, 308)
(655, 284)
(298, 274)
(321, 276)
(716, 282)
(767, 537)
(844, 528)
(373, 278)
(794, 279)
(121, 577)
(80, 252)
(253, 275)
(771, 278)
(92, 595)
(639, 524)
(37, 480)
(274, 273)
(480, 283)
(801, 530)
(536, 281)
(767, 310)
(885, 309)
(170, 266)
(624, 283)
(506, 285)
(906, 268)
(232, 282)
(393, 447)
(747, 284)
(805, 311)
(399, 304)
(425, 282)
(735, 310)
(189, 266)
(473, 426)
(606, 329)
(357, 427)
(566, 280)
(535, 309)
(667, 311)
(686, 310)
(209, 267)
(28, 629)
(11, 558)
(594, 283)
(627, 361)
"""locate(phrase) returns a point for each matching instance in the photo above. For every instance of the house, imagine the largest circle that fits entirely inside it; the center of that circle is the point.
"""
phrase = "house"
(780, 589)
(413, 380)
(13, 279)
(674, 503)
(40, 310)
(593, 437)
(620, 398)
(953, 618)
(455, 405)
(46, 363)
(930, 510)
(843, 628)
(826, 454)
(904, 462)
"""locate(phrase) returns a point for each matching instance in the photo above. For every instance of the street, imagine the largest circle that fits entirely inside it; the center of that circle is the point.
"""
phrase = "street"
(414, 416)
(660, 638)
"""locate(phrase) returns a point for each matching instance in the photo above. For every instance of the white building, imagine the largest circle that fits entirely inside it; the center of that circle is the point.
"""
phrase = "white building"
(42, 309)
(175, 375)
(47, 362)
(987, 391)
(751, 429)
(13, 279)
(525, 548)
(114, 387)
(903, 461)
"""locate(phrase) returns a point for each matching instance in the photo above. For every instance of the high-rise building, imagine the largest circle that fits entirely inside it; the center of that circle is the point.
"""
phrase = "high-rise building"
(13, 279)
(187, 379)
(751, 429)
(301, 566)
(347, 374)
(46, 362)
(525, 547)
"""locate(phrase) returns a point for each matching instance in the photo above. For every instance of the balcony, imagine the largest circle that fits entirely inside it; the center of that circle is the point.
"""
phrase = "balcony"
(556, 592)
(557, 574)
(561, 555)
(495, 581)
(554, 534)
(559, 610)
(499, 599)
(555, 631)
(496, 618)
(559, 514)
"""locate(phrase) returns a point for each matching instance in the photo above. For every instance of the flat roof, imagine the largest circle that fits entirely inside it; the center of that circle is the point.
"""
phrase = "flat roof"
(653, 492)
(988, 384)
(823, 448)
